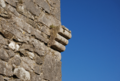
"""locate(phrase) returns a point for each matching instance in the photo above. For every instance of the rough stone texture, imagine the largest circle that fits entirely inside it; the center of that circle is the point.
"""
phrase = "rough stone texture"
(22, 73)
(1, 78)
(3, 55)
(31, 39)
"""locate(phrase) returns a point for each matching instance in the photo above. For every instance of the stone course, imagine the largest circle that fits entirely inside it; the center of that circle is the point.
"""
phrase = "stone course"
(31, 40)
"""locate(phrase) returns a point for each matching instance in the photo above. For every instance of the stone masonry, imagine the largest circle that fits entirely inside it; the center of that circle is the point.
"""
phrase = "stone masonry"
(31, 40)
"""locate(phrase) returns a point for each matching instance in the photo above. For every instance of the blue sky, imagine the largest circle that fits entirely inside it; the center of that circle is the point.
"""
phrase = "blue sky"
(93, 52)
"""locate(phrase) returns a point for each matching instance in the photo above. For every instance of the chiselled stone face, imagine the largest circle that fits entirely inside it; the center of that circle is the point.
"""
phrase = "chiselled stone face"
(31, 39)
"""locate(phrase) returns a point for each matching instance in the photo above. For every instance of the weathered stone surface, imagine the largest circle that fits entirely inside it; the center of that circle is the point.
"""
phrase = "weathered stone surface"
(65, 33)
(2, 3)
(12, 2)
(39, 60)
(37, 69)
(58, 46)
(2, 40)
(4, 55)
(43, 4)
(10, 53)
(31, 7)
(26, 47)
(51, 68)
(5, 69)
(35, 77)
(16, 60)
(48, 20)
(26, 66)
(6, 34)
(30, 55)
(39, 52)
(22, 73)
(29, 62)
(1, 78)
(61, 39)
(55, 10)
(12, 9)
(24, 25)
(14, 46)
(46, 30)
(25, 34)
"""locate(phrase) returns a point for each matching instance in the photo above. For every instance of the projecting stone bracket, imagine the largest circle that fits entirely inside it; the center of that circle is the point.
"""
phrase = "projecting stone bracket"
(59, 37)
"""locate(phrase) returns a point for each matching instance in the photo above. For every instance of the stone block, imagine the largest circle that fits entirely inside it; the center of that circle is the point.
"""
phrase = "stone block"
(12, 2)
(61, 39)
(4, 55)
(13, 46)
(22, 74)
(43, 4)
(10, 53)
(26, 66)
(30, 6)
(48, 20)
(55, 10)
(2, 40)
(51, 68)
(37, 69)
(2, 3)
(35, 77)
(1, 78)
(5, 69)
(30, 54)
(39, 60)
(16, 60)
(58, 46)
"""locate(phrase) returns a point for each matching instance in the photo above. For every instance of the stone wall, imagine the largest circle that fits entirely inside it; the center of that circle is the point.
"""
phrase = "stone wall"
(31, 40)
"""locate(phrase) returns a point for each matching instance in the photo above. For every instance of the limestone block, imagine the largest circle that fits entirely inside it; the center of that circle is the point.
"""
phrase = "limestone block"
(26, 66)
(48, 20)
(5, 69)
(23, 25)
(18, 34)
(10, 53)
(37, 44)
(22, 74)
(45, 29)
(35, 77)
(30, 6)
(16, 60)
(32, 65)
(12, 2)
(4, 55)
(6, 34)
(1, 78)
(57, 55)
(43, 4)
(39, 52)
(2, 40)
(30, 54)
(29, 62)
(26, 47)
(2, 3)
(13, 10)
(14, 46)
(65, 33)
(55, 10)
(58, 46)
(61, 39)
(40, 37)
(39, 60)
(37, 69)
(51, 68)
